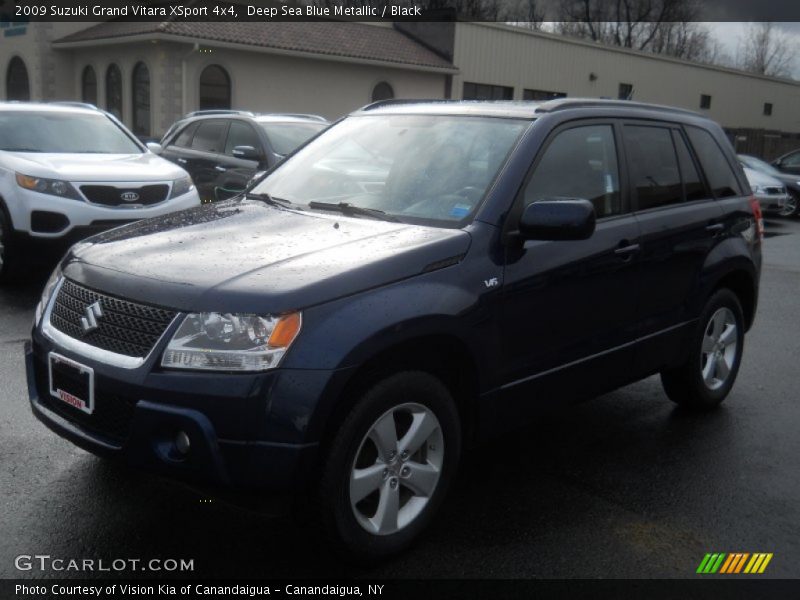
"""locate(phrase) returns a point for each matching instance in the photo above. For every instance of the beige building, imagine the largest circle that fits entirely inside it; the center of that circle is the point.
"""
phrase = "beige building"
(152, 73)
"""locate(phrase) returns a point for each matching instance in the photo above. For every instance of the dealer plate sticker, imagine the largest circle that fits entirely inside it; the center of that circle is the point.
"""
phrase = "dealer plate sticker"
(71, 382)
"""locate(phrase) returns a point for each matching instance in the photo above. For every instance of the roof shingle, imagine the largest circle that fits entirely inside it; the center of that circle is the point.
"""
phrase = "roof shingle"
(347, 39)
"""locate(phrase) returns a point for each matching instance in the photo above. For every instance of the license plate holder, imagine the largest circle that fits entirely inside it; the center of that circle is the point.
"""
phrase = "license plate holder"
(71, 382)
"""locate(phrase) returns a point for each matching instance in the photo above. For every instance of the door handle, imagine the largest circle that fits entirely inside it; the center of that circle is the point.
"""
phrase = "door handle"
(220, 168)
(181, 160)
(715, 227)
(626, 251)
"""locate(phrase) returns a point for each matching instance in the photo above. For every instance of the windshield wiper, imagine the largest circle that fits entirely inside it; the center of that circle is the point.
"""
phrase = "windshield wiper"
(351, 209)
(265, 197)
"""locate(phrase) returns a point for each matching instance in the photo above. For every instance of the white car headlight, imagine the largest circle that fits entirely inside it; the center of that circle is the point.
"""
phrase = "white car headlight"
(231, 342)
(53, 187)
(181, 186)
(47, 293)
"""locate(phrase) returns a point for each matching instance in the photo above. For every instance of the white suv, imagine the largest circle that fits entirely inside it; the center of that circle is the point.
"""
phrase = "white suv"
(68, 171)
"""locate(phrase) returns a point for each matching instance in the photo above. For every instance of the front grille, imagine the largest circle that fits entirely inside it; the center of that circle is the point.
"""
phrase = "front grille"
(108, 195)
(111, 417)
(125, 327)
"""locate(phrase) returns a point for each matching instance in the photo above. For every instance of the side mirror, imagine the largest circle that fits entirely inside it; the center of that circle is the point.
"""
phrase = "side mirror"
(246, 153)
(154, 147)
(557, 220)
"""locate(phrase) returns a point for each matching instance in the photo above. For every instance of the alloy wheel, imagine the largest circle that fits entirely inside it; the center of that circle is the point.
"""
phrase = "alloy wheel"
(396, 469)
(719, 348)
(790, 207)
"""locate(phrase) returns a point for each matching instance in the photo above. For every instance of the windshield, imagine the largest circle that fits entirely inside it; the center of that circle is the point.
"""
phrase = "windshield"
(758, 165)
(61, 132)
(429, 169)
(285, 137)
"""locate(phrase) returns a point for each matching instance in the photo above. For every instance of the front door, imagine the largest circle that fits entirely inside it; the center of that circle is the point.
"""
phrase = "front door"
(569, 307)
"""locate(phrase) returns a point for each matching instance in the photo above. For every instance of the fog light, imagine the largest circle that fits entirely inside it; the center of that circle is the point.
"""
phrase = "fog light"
(182, 442)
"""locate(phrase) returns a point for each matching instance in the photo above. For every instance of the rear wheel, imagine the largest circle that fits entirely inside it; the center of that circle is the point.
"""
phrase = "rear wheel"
(390, 466)
(791, 208)
(715, 352)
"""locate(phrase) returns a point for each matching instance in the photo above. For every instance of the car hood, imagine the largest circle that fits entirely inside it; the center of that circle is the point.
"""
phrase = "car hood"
(758, 178)
(94, 167)
(247, 256)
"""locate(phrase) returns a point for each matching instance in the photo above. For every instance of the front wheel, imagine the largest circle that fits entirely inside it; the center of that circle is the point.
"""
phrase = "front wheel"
(390, 465)
(715, 352)
(791, 208)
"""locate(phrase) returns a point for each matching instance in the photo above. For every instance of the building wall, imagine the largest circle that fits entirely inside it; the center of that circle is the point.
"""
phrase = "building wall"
(511, 56)
(267, 82)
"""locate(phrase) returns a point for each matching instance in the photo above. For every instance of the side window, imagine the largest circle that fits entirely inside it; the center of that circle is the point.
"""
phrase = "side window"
(653, 166)
(793, 160)
(241, 134)
(184, 140)
(579, 163)
(693, 187)
(718, 171)
(208, 137)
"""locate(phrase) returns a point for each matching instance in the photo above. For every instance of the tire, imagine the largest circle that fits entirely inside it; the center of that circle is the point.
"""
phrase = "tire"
(791, 209)
(8, 266)
(715, 353)
(364, 531)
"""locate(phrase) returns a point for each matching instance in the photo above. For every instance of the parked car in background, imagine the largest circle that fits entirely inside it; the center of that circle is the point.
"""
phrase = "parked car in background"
(223, 149)
(791, 207)
(789, 162)
(489, 261)
(770, 192)
(69, 170)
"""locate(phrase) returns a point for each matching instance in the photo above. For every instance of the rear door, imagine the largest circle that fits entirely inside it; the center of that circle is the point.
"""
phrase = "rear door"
(680, 222)
(569, 307)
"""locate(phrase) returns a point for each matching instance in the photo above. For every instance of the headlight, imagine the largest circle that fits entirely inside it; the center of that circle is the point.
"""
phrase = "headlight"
(181, 186)
(53, 187)
(231, 342)
(47, 293)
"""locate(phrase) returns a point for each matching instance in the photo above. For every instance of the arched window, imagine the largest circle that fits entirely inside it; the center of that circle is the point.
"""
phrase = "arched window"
(114, 91)
(141, 100)
(215, 88)
(382, 91)
(89, 85)
(17, 84)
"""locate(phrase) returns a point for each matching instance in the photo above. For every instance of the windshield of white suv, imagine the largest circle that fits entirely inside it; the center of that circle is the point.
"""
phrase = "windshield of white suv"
(429, 169)
(285, 137)
(63, 132)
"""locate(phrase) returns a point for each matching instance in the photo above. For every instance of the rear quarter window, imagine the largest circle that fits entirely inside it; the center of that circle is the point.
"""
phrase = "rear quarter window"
(719, 172)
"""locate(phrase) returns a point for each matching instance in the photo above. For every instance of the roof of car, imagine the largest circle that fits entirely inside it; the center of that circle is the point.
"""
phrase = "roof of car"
(261, 117)
(513, 108)
(65, 107)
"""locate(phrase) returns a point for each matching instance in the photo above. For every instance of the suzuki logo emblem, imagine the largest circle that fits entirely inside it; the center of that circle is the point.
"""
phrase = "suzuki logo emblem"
(92, 312)
(129, 196)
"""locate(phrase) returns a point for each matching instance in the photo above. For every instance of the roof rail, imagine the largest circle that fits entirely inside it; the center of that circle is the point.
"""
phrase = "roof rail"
(74, 104)
(393, 101)
(218, 111)
(565, 103)
(298, 115)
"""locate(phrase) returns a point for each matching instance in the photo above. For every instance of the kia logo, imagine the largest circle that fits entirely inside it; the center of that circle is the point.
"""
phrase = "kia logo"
(129, 196)
(92, 312)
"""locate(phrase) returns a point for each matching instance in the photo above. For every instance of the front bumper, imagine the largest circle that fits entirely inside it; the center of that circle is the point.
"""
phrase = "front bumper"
(771, 202)
(83, 216)
(240, 434)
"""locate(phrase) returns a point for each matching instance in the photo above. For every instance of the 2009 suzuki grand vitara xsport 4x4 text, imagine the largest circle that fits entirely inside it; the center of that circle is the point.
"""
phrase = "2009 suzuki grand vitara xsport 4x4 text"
(418, 276)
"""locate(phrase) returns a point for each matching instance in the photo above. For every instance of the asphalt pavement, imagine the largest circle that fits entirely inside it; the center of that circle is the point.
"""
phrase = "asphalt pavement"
(626, 485)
